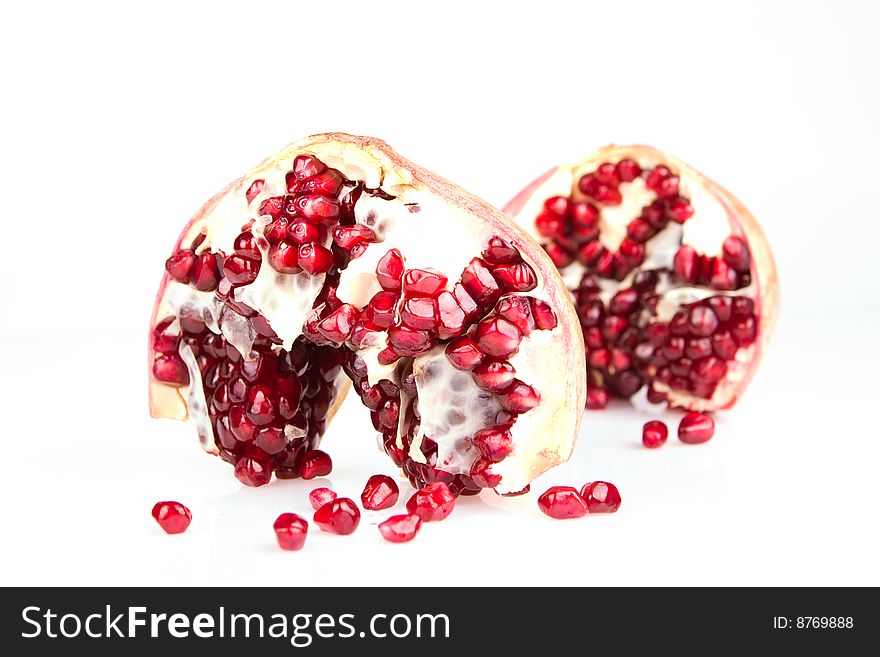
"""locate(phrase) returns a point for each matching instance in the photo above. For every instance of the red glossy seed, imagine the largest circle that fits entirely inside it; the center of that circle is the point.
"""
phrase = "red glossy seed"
(401, 528)
(173, 517)
(240, 271)
(562, 503)
(495, 376)
(702, 321)
(341, 516)
(423, 283)
(314, 258)
(290, 531)
(284, 258)
(628, 170)
(315, 463)
(381, 492)
(520, 398)
(518, 277)
(320, 496)
(736, 254)
(253, 471)
(432, 503)
(696, 428)
(419, 313)
(654, 434)
(601, 497)
(179, 265)
(478, 281)
(496, 336)
(481, 474)
(463, 353)
(389, 270)
(205, 272)
(495, 443)
(170, 368)
(499, 251)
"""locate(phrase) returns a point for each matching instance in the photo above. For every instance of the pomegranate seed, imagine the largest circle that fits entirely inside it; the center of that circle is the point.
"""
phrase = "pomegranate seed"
(381, 492)
(654, 433)
(494, 375)
(601, 497)
(680, 210)
(320, 496)
(736, 254)
(722, 275)
(497, 337)
(518, 277)
(545, 318)
(179, 265)
(304, 232)
(170, 368)
(500, 252)
(628, 170)
(432, 503)
(597, 399)
(463, 353)
(562, 503)
(307, 166)
(479, 282)
(245, 246)
(702, 321)
(584, 215)
(550, 226)
(284, 258)
(520, 398)
(173, 517)
(420, 313)
(205, 272)
(400, 528)
(410, 342)
(482, 475)
(495, 443)
(314, 258)
(655, 396)
(240, 271)
(315, 463)
(389, 270)
(744, 330)
(423, 283)
(255, 189)
(252, 471)
(685, 264)
(560, 256)
(338, 325)
(696, 428)
(340, 516)
(290, 531)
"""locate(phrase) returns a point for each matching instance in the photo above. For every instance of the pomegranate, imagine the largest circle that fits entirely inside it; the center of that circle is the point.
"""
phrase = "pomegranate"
(696, 428)
(336, 262)
(674, 282)
(173, 517)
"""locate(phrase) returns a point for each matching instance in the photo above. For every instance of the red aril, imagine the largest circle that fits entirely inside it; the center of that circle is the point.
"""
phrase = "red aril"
(432, 503)
(320, 496)
(400, 528)
(340, 516)
(290, 531)
(696, 428)
(601, 497)
(562, 503)
(381, 492)
(674, 281)
(335, 264)
(654, 434)
(173, 517)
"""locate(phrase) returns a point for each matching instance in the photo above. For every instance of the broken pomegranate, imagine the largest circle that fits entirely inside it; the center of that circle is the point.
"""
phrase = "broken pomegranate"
(173, 517)
(381, 492)
(320, 496)
(562, 503)
(401, 528)
(340, 516)
(290, 531)
(601, 497)
(432, 503)
(337, 262)
(696, 428)
(674, 282)
(654, 434)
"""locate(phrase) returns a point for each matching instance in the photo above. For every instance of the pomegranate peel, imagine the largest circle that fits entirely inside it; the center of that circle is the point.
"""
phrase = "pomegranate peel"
(634, 219)
(337, 261)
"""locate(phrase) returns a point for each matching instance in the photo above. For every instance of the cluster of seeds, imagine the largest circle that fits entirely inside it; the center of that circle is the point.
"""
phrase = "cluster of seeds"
(693, 429)
(565, 502)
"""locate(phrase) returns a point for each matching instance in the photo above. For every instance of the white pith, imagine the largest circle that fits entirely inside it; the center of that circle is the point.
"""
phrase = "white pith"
(438, 235)
(705, 232)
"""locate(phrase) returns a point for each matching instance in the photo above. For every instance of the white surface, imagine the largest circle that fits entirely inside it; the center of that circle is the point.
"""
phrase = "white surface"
(118, 122)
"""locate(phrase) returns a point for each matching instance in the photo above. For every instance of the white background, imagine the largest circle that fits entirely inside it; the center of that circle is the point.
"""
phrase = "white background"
(120, 119)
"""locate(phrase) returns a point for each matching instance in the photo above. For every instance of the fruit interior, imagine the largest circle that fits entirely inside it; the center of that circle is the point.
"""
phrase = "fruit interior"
(325, 269)
(662, 274)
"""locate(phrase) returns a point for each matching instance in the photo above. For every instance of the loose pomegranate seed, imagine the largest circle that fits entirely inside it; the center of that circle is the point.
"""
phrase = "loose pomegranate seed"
(341, 516)
(400, 528)
(173, 517)
(601, 497)
(315, 463)
(290, 531)
(562, 503)
(696, 428)
(432, 503)
(654, 433)
(381, 492)
(320, 496)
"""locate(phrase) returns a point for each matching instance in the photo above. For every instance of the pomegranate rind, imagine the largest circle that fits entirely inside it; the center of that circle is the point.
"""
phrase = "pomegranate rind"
(741, 220)
(563, 397)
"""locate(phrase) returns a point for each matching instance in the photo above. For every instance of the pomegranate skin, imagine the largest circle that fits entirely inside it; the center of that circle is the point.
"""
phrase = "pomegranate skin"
(545, 443)
(762, 268)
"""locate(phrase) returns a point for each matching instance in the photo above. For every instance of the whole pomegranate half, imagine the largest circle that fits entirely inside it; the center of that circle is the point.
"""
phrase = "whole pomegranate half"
(673, 279)
(336, 262)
